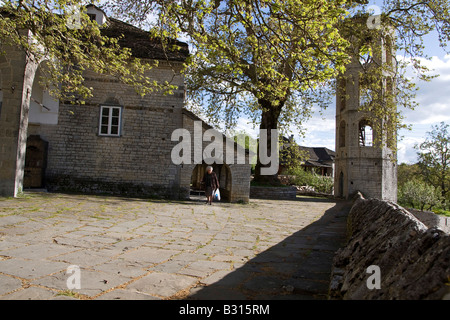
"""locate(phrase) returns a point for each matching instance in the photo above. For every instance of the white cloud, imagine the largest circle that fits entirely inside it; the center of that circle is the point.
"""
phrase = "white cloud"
(433, 97)
(320, 132)
(405, 149)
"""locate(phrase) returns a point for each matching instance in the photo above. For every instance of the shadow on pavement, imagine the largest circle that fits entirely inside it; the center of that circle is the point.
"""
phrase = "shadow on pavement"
(299, 267)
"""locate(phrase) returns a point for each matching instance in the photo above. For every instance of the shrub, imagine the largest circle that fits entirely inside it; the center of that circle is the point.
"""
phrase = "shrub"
(306, 178)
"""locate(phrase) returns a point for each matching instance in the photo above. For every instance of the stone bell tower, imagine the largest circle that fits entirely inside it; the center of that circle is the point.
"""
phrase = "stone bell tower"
(365, 158)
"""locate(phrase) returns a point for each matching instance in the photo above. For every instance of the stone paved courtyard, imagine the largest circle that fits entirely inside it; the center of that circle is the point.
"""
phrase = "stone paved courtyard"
(153, 249)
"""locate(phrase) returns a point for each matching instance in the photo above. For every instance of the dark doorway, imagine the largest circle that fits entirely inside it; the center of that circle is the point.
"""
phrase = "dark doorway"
(35, 162)
(341, 185)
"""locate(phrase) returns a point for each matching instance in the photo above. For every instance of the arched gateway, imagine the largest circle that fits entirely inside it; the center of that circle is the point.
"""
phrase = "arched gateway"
(223, 173)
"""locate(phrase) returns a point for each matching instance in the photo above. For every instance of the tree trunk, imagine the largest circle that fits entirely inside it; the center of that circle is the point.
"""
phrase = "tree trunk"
(269, 120)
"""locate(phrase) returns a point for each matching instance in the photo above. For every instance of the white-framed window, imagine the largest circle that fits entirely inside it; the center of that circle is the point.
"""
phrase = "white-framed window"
(110, 121)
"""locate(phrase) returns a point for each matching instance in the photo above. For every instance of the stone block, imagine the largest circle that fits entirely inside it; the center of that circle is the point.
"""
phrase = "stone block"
(9, 284)
(162, 284)
(30, 269)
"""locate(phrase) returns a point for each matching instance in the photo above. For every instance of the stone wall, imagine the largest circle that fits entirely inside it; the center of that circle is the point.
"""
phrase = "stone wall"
(277, 193)
(17, 72)
(430, 219)
(138, 162)
(413, 260)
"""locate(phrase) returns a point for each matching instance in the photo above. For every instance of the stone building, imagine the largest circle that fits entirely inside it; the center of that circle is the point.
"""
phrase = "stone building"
(116, 143)
(361, 163)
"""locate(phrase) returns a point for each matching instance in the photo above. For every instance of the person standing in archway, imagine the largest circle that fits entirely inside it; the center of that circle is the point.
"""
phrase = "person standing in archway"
(210, 183)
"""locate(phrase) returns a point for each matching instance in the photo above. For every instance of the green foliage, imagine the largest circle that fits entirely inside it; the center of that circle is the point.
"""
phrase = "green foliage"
(406, 172)
(291, 156)
(245, 52)
(308, 178)
(427, 183)
(418, 194)
(286, 52)
(70, 48)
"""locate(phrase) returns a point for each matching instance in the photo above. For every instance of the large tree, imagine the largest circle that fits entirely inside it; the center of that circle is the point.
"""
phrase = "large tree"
(254, 57)
(272, 60)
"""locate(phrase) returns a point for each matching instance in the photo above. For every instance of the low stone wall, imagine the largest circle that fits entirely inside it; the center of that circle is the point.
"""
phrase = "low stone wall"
(64, 183)
(430, 219)
(277, 193)
(390, 254)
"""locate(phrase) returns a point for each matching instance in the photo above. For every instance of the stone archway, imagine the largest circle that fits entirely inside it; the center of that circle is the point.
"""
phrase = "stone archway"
(223, 172)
